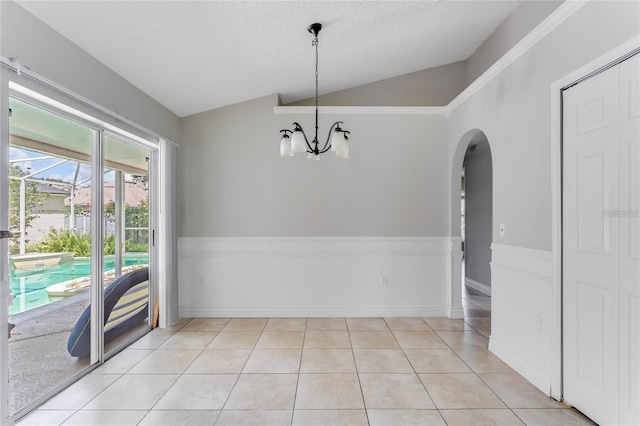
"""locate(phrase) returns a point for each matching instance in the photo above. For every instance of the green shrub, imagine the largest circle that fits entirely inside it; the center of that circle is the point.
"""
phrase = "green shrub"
(110, 245)
(131, 247)
(65, 240)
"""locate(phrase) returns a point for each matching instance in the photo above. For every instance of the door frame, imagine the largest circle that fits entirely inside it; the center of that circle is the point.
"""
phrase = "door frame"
(63, 103)
(597, 65)
(4, 222)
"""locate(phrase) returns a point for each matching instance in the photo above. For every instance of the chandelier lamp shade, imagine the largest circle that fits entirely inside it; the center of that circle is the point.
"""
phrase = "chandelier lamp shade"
(295, 141)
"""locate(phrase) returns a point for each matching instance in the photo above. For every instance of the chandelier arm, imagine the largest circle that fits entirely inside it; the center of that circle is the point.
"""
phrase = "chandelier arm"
(327, 145)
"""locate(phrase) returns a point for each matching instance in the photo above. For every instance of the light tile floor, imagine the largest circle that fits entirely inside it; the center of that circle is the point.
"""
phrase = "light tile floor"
(354, 371)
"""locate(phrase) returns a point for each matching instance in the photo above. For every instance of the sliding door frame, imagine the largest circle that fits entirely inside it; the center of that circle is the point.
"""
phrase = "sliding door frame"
(54, 100)
(4, 248)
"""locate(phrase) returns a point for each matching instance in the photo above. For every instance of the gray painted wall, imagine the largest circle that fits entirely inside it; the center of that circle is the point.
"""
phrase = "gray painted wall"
(514, 112)
(478, 212)
(431, 87)
(51, 55)
(232, 181)
(519, 23)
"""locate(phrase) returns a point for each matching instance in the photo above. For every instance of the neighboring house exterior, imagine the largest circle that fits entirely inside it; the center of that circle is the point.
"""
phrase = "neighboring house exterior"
(134, 195)
(51, 214)
(55, 209)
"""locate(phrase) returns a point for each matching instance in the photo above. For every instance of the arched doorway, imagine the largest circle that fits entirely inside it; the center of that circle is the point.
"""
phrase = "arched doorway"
(472, 220)
(477, 234)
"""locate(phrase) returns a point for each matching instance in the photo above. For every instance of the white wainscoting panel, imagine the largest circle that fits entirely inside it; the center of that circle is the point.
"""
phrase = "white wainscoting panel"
(522, 311)
(314, 276)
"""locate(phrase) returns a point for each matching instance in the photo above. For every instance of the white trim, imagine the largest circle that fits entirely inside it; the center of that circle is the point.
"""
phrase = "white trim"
(311, 246)
(361, 110)
(482, 288)
(455, 313)
(522, 251)
(556, 197)
(530, 262)
(533, 374)
(315, 312)
(454, 275)
(557, 17)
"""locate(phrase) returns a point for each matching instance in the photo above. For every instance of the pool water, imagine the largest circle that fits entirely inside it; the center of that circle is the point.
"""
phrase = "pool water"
(29, 288)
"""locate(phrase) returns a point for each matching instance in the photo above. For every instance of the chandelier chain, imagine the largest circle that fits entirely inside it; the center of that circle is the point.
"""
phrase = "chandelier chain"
(315, 43)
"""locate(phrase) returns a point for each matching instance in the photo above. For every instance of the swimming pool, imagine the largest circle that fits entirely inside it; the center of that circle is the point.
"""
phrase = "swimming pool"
(29, 288)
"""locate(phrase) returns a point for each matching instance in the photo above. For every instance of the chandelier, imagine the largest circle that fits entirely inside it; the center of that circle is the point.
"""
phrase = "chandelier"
(337, 139)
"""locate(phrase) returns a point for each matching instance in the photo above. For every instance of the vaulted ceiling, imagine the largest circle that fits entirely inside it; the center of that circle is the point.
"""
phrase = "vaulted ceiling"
(193, 56)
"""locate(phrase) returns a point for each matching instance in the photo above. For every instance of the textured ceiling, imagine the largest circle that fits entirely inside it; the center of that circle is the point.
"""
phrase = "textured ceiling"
(193, 56)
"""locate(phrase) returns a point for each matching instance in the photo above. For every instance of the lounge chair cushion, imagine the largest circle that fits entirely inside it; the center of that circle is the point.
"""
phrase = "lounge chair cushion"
(125, 305)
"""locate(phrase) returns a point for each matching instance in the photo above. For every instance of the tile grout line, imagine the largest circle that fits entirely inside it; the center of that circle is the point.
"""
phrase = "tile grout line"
(476, 330)
(476, 374)
(295, 395)
(413, 368)
(355, 364)
(467, 365)
(121, 375)
(241, 370)
(180, 374)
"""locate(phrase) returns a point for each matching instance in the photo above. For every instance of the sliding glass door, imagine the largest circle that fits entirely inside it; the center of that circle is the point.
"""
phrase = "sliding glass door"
(126, 234)
(51, 266)
(80, 206)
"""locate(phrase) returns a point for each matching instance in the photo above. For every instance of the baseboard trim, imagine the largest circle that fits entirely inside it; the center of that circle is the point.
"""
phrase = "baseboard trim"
(456, 313)
(313, 312)
(476, 285)
(533, 374)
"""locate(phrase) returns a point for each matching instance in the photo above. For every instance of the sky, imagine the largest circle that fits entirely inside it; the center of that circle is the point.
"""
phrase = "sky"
(65, 171)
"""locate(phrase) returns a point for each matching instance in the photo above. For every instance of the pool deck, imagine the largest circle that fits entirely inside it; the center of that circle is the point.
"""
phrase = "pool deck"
(38, 357)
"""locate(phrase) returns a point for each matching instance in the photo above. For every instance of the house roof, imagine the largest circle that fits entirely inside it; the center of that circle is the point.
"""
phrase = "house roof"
(134, 194)
(48, 189)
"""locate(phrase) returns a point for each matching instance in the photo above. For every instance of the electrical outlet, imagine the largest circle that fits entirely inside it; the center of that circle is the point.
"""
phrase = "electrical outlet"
(384, 280)
(503, 230)
(537, 324)
(200, 282)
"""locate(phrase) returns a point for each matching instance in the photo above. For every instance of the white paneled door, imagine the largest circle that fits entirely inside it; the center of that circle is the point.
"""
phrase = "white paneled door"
(601, 262)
